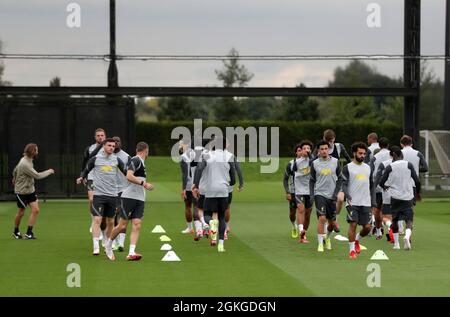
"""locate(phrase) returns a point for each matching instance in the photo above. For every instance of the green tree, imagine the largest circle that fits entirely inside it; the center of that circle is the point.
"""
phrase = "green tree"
(233, 74)
(259, 108)
(299, 108)
(373, 109)
(431, 111)
(55, 82)
(360, 74)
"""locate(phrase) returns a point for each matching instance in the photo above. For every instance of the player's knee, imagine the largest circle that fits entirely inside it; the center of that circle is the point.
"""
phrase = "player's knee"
(137, 224)
(35, 210)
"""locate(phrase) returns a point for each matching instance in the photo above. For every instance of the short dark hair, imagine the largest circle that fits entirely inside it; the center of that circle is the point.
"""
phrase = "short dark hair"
(108, 140)
(117, 139)
(395, 150)
(406, 140)
(329, 134)
(141, 146)
(358, 145)
(383, 143)
(306, 142)
(323, 142)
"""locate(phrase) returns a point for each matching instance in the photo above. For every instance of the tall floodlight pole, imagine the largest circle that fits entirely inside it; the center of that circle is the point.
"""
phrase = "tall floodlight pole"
(411, 68)
(447, 68)
(113, 74)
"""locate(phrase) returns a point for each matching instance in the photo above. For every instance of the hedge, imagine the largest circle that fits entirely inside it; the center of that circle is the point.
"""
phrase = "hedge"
(157, 134)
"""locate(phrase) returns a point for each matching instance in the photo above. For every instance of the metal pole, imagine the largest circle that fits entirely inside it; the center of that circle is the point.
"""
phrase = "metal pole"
(411, 68)
(427, 155)
(113, 74)
(447, 68)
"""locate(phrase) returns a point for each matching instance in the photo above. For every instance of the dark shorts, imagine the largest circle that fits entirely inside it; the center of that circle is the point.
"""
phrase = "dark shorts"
(131, 209)
(190, 199)
(379, 200)
(304, 199)
(104, 206)
(405, 214)
(401, 209)
(325, 207)
(201, 202)
(230, 197)
(362, 215)
(24, 200)
(90, 185)
(386, 209)
(216, 204)
(292, 202)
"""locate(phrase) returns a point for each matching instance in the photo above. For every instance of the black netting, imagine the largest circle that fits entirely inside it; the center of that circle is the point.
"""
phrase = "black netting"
(62, 128)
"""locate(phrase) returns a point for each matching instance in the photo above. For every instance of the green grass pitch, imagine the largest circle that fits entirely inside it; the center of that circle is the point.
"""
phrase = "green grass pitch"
(261, 258)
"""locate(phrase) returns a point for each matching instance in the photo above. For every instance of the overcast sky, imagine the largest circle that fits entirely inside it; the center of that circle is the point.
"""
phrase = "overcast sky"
(253, 27)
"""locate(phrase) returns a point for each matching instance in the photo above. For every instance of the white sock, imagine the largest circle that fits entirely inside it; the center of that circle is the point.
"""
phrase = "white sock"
(96, 245)
(109, 243)
(293, 224)
(320, 238)
(300, 228)
(396, 239)
(378, 231)
(400, 226)
(122, 239)
(189, 225)
(325, 227)
(408, 233)
(132, 248)
(198, 225)
(227, 223)
(105, 241)
(358, 237)
(388, 224)
(202, 219)
(104, 234)
(220, 242)
(352, 246)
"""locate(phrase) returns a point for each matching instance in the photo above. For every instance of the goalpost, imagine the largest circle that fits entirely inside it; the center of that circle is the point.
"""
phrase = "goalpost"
(437, 154)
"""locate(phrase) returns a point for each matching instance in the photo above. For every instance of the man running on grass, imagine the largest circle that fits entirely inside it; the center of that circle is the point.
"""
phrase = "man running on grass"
(133, 202)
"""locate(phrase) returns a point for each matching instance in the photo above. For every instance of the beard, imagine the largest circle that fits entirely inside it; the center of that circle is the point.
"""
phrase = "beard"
(360, 159)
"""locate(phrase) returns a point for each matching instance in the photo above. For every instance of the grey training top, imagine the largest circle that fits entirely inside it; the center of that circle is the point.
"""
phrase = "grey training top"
(288, 178)
(357, 184)
(302, 172)
(219, 175)
(378, 158)
(136, 191)
(325, 178)
(104, 172)
(396, 178)
(122, 181)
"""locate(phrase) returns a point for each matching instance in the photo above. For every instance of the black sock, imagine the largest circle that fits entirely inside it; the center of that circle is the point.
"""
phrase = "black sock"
(30, 230)
(16, 230)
